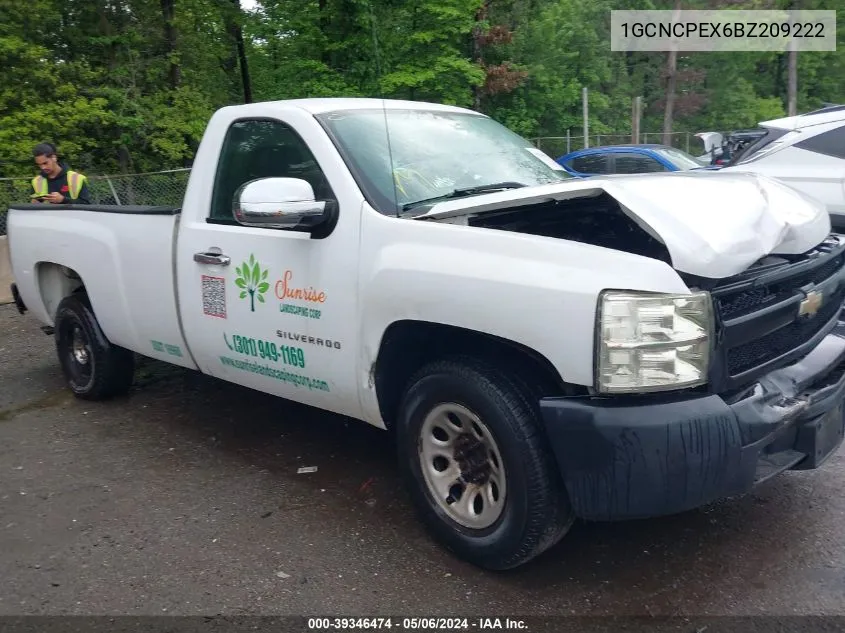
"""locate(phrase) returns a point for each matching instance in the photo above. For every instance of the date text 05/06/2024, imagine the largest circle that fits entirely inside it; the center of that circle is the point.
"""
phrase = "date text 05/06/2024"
(416, 624)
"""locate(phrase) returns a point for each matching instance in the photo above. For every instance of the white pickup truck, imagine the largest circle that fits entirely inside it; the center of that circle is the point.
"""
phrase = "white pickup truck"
(543, 348)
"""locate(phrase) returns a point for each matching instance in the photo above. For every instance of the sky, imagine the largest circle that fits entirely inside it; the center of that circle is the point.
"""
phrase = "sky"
(248, 5)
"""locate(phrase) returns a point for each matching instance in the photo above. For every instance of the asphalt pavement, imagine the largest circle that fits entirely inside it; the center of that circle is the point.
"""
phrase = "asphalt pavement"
(184, 498)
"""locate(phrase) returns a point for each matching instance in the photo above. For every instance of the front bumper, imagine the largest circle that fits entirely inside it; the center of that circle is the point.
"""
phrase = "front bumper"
(626, 459)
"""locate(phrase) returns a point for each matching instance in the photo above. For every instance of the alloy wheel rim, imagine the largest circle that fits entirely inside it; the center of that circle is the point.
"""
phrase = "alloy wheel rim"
(80, 355)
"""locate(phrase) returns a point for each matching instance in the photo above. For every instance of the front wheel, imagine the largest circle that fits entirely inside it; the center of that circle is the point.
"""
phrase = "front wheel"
(475, 460)
(93, 367)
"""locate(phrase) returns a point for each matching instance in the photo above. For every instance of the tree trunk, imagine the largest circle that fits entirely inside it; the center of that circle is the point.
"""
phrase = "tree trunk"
(105, 28)
(247, 84)
(792, 84)
(669, 111)
(232, 19)
(124, 158)
(168, 12)
(229, 62)
(480, 16)
(323, 8)
(671, 80)
(792, 72)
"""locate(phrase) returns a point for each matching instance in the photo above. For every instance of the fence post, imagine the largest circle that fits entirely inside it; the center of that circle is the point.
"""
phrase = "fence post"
(585, 104)
(635, 123)
(113, 190)
(568, 141)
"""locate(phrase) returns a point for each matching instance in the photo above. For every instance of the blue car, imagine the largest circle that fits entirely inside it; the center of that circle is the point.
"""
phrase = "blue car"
(628, 159)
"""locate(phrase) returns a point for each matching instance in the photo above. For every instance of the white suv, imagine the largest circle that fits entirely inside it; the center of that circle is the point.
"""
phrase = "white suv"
(807, 152)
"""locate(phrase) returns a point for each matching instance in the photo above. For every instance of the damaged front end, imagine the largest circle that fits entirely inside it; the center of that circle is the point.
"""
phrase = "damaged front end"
(772, 401)
(774, 273)
(712, 225)
(596, 219)
(773, 397)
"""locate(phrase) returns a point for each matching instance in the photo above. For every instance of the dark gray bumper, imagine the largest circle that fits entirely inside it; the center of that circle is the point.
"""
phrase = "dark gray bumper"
(636, 458)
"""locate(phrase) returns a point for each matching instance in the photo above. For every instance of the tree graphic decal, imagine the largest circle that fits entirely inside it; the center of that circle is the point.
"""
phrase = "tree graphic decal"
(251, 281)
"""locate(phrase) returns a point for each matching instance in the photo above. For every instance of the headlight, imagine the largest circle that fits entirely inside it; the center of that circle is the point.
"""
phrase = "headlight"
(652, 342)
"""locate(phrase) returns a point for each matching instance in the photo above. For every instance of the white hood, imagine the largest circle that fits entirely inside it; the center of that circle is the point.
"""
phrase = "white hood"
(713, 224)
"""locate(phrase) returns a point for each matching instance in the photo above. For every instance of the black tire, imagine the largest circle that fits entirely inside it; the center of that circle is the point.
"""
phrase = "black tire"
(536, 512)
(105, 370)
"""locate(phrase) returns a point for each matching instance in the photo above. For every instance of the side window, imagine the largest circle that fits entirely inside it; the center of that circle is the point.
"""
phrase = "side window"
(590, 164)
(262, 148)
(830, 143)
(632, 163)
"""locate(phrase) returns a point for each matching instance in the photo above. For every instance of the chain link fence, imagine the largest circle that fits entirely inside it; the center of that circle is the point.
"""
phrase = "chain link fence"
(167, 188)
(163, 188)
(12, 190)
(557, 146)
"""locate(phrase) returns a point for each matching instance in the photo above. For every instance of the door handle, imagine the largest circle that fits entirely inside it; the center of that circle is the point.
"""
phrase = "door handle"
(218, 259)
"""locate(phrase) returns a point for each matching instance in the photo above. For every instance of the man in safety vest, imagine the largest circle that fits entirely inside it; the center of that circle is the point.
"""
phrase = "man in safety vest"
(55, 183)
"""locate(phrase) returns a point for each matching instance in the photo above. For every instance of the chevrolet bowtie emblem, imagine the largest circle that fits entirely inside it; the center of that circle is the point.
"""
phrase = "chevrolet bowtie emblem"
(811, 303)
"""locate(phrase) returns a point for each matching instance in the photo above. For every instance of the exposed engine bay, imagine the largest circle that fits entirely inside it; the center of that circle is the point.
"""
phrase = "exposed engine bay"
(596, 220)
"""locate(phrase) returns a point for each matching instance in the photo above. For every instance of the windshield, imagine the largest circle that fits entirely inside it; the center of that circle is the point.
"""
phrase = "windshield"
(680, 158)
(763, 146)
(433, 154)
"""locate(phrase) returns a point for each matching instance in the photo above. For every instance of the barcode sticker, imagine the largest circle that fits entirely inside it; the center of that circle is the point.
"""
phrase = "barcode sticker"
(214, 296)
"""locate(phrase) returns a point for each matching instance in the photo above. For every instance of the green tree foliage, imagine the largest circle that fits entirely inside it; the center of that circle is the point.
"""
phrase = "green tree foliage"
(129, 85)
(425, 46)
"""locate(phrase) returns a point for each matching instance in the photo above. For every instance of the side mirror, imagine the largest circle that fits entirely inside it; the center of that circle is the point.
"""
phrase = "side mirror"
(281, 203)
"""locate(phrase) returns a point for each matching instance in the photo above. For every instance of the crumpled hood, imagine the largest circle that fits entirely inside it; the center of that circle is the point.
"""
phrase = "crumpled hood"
(714, 224)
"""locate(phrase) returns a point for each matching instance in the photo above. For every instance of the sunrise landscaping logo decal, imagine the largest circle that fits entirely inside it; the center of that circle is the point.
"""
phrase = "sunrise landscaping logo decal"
(252, 281)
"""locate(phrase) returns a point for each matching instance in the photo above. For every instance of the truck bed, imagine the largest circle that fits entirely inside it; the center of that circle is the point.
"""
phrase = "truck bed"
(124, 256)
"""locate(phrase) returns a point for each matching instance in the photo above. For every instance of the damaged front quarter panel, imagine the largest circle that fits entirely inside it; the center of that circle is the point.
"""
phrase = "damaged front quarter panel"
(710, 224)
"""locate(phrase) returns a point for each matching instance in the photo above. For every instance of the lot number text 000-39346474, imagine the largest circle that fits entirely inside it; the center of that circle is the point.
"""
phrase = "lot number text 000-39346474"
(415, 623)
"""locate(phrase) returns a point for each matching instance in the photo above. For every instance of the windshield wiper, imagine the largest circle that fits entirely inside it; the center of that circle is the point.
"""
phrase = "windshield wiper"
(465, 191)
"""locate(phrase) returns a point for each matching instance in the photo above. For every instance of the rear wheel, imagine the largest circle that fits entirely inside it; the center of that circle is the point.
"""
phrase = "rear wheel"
(93, 368)
(476, 463)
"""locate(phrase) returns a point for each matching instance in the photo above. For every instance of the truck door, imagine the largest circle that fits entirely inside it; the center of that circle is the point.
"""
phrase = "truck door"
(270, 309)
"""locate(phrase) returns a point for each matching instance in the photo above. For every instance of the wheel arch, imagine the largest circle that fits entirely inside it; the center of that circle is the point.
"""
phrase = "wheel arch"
(54, 282)
(407, 345)
(111, 368)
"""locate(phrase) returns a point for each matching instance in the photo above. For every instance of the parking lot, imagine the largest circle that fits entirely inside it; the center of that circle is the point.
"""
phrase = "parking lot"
(184, 498)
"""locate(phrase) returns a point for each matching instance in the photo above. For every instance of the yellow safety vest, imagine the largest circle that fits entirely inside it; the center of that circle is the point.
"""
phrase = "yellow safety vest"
(75, 180)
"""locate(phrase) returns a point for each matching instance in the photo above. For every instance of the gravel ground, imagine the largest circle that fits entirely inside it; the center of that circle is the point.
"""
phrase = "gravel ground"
(183, 498)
